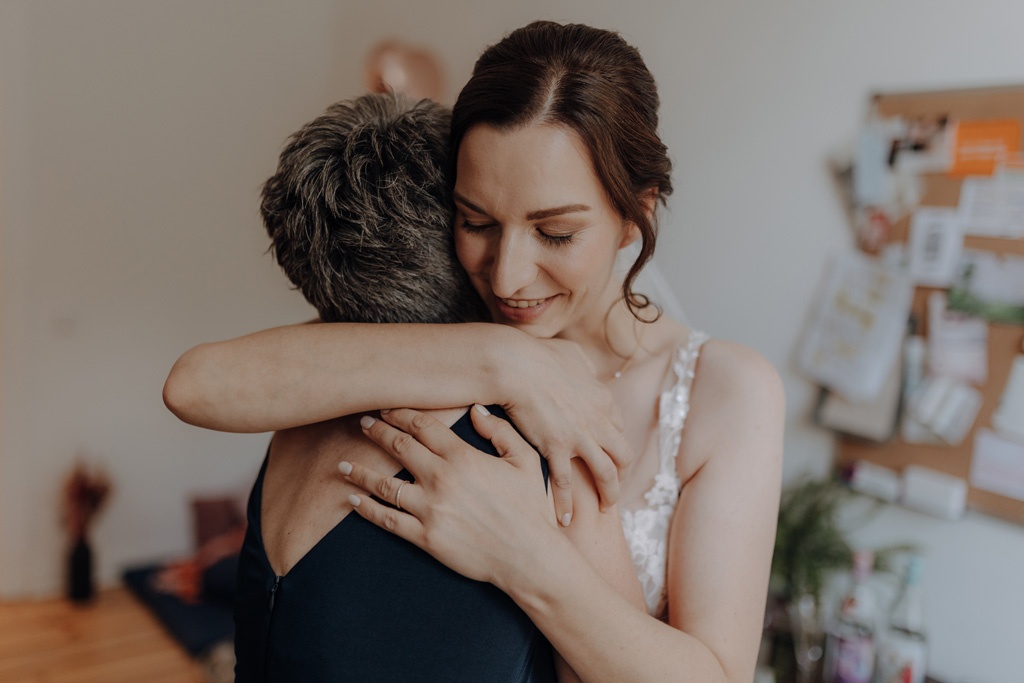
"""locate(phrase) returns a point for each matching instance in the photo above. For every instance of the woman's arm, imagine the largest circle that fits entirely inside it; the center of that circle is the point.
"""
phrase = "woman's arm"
(291, 376)
(598, 537)
(300, 374)
(720, 541)
(720, 546)
(728, 510)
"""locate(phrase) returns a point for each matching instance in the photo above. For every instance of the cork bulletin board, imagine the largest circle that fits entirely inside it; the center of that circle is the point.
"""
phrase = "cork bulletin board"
(1004, 342)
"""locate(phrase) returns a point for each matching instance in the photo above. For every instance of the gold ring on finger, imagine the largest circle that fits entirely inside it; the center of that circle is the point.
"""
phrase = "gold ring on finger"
(398, 496)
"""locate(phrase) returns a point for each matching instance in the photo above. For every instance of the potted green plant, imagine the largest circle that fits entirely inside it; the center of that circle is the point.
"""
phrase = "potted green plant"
(810, 546)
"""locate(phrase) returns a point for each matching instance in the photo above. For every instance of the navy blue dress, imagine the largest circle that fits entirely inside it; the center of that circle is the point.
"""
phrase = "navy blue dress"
(365, 605)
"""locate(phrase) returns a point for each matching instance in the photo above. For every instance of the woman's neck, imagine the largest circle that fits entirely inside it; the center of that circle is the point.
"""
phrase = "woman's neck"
(612, 341)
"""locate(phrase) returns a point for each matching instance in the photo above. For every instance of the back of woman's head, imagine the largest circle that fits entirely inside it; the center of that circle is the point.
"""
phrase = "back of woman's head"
(597, 85)
(359, 213)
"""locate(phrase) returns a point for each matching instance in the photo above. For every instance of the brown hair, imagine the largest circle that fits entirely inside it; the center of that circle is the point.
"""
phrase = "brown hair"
(359, 213)
(594, 83)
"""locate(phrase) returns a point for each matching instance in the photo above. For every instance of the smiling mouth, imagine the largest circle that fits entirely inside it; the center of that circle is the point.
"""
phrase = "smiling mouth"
(522, 303)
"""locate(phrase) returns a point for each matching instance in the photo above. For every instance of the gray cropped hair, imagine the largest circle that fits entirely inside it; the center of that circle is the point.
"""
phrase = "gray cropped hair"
(360, 214)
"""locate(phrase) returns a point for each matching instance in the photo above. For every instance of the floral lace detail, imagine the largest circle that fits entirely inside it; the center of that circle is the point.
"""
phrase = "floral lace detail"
(646, 528)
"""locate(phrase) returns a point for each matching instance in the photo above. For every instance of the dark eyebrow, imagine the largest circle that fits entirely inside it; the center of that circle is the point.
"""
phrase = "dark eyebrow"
(468, 204)
(557, 211)
(533, 215)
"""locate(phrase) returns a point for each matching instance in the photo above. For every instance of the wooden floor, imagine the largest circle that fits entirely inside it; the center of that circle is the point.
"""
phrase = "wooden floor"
(113, 640)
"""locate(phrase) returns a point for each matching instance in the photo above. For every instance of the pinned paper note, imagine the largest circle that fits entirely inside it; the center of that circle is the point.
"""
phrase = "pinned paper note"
(853, 338)
(993, 207)
(874, 420)
(957, 343)
(947, 408)
(872, 185)
(997, 465)
(980, 146)
(915, 355)
(1009, 417)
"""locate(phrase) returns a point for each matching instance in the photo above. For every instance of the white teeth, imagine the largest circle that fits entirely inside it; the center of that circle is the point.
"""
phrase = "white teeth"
(522, 303)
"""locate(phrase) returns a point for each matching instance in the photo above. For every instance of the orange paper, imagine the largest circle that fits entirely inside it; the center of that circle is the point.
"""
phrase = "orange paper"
(981, 146)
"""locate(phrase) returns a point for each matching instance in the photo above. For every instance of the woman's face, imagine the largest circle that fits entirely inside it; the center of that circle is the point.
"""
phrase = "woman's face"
(535, 229)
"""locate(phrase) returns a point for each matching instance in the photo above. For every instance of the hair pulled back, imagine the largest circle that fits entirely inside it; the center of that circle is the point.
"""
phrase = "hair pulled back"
(594, 83)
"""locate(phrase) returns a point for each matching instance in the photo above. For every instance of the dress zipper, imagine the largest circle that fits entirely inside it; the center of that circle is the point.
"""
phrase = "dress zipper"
(270, 619)
(273, 592)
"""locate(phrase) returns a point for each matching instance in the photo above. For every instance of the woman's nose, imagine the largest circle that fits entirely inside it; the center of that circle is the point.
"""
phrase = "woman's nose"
(513, 267)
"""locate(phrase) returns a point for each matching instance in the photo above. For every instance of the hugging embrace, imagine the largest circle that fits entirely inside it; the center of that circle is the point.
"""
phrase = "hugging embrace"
(467, 259)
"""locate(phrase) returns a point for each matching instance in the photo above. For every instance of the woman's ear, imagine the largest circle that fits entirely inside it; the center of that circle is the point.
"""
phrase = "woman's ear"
(650, 201)
(629, 235)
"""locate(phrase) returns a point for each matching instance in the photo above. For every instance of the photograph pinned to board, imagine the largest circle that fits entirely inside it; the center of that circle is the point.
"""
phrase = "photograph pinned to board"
(924, 144)
(935, 246)
(991, 286)
(856, 327)
(889, 146)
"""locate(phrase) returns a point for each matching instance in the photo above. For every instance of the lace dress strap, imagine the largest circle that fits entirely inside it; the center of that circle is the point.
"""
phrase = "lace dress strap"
(646, 528)
(672, 411)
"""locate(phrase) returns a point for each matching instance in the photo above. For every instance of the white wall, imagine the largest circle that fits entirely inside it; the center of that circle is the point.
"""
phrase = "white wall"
(134, 137)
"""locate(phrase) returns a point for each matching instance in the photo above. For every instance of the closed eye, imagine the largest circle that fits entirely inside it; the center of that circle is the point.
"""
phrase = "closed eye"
(556, 239)
(470, 226)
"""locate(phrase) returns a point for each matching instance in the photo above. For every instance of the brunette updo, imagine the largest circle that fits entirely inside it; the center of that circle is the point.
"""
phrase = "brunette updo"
(594, 83)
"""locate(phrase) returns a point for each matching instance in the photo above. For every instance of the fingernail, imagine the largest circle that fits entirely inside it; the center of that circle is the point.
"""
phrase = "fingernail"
(480, 409)
(566, 518)
(366, 421)
(353, 501)
(345, 468)
(385, 411)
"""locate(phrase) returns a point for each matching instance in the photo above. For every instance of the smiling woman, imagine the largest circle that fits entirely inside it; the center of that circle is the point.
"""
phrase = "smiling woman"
(535, 230)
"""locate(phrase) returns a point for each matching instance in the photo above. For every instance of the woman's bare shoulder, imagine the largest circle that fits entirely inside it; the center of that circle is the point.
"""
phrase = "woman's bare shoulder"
(725, 361)
(737, 395)
(731, 368)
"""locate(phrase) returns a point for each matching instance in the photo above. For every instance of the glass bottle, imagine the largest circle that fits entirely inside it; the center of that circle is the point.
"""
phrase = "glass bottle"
(903, 651)
(850, 647)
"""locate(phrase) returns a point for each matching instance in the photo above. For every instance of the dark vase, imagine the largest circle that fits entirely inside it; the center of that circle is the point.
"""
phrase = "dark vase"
(80, 584)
